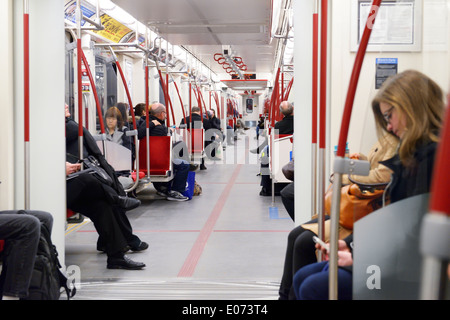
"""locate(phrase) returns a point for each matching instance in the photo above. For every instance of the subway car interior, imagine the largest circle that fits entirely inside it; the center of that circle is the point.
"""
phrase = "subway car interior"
(227, 235)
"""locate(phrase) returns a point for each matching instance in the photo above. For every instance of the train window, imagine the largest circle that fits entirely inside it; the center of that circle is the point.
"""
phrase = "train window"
(249, 105)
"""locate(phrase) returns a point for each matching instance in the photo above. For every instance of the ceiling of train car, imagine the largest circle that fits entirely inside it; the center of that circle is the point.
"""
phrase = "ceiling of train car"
(205, 26)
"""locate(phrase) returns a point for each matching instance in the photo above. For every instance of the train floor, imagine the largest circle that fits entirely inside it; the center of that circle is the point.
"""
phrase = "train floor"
(227, 243)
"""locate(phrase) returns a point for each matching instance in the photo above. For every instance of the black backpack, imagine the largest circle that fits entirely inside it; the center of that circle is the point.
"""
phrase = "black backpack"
(47, 278)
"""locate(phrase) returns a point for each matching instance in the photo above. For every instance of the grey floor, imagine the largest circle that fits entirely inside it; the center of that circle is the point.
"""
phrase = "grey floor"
(223, 244)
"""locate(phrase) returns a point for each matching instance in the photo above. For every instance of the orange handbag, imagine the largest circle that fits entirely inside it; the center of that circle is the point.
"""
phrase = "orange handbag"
(355, 203)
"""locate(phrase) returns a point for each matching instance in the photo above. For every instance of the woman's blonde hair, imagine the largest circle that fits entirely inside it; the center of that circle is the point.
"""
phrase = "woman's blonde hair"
(114, 112)
(420, 100)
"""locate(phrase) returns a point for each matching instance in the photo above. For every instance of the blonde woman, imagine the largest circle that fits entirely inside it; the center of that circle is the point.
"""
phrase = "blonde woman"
(409, 105)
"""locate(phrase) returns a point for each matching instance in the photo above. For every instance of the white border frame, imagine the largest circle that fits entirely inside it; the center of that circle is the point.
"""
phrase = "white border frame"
(387, 47)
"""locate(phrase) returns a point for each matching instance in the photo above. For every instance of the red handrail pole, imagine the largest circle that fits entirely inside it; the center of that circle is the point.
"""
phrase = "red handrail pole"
(147, 94)
(181, 101)
(216, 98)
(315, 65)
(322, 114)
(201, 97)
(26, 88)
(127, 91)
(274, 98)
(80, 96)
(200, 103)
(440, 201)
(435, 226)
(210, 100)
(337, 183)
(323, 73)
(94, 90)
(354, 79)
(168, 98)
(190, 101)
(165, 96)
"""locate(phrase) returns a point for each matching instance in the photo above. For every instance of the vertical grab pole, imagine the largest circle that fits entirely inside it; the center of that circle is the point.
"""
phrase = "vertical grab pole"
(79, 84)
(147, 123)
(314, 112)
(26, 87)
(337, 183)
(322, 115)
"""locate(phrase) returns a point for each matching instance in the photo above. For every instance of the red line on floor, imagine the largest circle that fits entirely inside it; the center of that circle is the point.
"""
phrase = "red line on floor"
(188, 268)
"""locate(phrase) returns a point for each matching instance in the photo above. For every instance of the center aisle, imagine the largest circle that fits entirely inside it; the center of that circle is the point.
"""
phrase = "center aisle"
(223, 244)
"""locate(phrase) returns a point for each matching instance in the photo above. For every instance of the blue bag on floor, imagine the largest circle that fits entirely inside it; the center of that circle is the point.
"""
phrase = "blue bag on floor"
(190, 185)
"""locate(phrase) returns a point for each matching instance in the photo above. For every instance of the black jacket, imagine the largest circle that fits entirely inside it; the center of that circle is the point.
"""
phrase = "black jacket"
(415, 179)
(286, 125)
(154, 130)
(90, 148)
(196, 122)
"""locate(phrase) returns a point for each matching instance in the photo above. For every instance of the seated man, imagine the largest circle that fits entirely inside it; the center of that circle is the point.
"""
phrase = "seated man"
(174, 189)
(21, 233)
(106, 205)
(285, 127)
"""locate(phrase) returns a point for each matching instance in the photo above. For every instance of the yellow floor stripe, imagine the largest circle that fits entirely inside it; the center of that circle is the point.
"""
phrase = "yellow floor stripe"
(75, 226)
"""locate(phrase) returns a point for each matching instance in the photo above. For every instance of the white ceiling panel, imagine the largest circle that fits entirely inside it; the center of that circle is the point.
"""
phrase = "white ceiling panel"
(204, 26)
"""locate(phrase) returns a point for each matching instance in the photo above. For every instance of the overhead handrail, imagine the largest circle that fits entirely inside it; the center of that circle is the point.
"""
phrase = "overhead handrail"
(338, 170)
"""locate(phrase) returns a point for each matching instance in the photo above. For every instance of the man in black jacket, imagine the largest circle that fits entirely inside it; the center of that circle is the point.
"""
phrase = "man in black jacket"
(285, 126)
(104, 204)
(157, 127)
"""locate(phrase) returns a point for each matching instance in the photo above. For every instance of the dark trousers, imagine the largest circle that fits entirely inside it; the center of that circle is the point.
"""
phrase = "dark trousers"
(287, 197)
(311, 282)
(181, 168)
(90, 197)
(21, 232)
(300, 252)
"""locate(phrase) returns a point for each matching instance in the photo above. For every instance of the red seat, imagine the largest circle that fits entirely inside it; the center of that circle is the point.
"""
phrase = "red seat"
(197, 140)
(160, 156)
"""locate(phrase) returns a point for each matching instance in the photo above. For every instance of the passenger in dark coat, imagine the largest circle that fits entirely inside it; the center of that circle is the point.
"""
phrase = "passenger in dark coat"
(175, 188)
(104, 204)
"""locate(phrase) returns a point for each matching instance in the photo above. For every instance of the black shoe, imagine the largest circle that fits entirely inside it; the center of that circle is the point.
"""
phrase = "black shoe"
(141, 247)
(128, 203)
(265, 193)
(202, 167)
(124, 263)
(193, 167)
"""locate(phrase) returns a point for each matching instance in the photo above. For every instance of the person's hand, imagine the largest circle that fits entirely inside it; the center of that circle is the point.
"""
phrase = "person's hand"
(342, 247)
(345, 258)
(72, 167)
